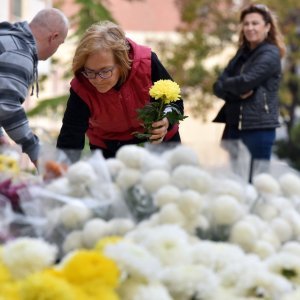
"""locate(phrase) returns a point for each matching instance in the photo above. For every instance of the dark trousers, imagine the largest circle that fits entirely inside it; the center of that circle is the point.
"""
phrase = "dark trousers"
(259, 142)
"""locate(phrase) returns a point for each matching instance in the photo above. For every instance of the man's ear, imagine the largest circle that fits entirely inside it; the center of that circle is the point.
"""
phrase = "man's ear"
(53, 36)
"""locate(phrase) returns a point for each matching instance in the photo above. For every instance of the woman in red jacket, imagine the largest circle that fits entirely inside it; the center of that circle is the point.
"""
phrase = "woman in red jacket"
(112, 78)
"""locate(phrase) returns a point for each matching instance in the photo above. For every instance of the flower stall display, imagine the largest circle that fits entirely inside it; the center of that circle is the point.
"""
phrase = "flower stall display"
(148, 225)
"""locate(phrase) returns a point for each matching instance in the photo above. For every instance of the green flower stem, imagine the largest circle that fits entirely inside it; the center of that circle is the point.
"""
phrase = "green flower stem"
(160, 110)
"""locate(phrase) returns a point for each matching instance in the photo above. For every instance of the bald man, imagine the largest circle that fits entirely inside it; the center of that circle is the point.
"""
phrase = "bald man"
(22, 44)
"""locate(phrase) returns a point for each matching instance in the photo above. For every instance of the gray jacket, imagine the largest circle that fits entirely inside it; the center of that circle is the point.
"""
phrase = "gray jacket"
(18, 70)
(261, 73)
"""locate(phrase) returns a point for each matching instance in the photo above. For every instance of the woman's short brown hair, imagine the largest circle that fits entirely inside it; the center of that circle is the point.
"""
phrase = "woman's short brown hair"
(104, 35)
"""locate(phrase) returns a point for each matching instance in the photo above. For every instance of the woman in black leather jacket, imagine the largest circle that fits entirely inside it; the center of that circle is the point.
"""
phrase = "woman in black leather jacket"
(249, 84)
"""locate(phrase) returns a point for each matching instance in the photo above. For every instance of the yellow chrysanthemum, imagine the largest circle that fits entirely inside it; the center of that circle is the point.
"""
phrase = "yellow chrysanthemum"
(9, 291)
(47, 287)
(165, 90)
(8, 163)
(95, 290)
(4, 272)
(110, 240)
(84, 266)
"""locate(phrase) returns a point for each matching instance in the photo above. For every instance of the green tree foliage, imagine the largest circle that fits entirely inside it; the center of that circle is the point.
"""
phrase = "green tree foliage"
(91, 11)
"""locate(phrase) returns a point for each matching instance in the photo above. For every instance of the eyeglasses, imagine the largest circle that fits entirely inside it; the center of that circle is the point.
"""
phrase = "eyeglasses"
(104, 74)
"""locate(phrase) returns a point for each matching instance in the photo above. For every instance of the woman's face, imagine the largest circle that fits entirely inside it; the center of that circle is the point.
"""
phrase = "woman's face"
(102, 62)
(255, 29)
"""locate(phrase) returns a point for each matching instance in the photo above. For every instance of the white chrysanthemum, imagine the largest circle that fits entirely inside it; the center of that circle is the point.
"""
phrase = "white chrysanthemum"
(224, 294)
(74, 214)
(60, 186)
(266, 184)
(281, 203)
(197, 225)
(166, 194)
(132, 156)
(93, 231)
(267, 211)
(25, 256)
(286, 265)
(226, 210)
(244, 234)
(263, 249)
(152, 291)
(150, 222)
(134, 260)
(262, 284)
(292, 247)
(230, 187)
(293, 217)
(170, 213)
(181, 155)
(270, 236)
(293, 295)
(114, 166)
(127, 178)
(216, 255)
(250, 193)
(81, 173)
(155, 179)
(282, 229)
(190, 281)
(169, 243)
(257, 222)
(233, 271)
(191, 203)
(191, 177)
(119, 226)
(290, 184)
(139, 233)
(73, 241)
(154, 162)
(132, 289)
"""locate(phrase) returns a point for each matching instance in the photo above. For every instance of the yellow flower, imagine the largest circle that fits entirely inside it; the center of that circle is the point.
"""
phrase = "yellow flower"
(8, 163)
(165, 90)
(95, 291)
(100, 246)
(47, 287)
(9, 291)
(4, 272)
(84, 266)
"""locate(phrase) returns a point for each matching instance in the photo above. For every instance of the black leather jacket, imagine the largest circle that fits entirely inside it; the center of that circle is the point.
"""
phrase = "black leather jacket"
(258, 70)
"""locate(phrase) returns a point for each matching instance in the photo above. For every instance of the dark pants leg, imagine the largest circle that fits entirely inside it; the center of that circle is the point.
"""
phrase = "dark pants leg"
(259, 142)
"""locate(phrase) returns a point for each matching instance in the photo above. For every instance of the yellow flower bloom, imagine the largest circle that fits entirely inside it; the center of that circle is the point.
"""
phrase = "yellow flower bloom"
(100, 246)
(9, 291)
(4, 272)
(8, 163)
(95, 291)
(84, 266)
(47, 287)
(165, 90)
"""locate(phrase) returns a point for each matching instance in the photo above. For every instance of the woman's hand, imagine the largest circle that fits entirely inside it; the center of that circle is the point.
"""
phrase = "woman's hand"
(159, 130)
(246, 95)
